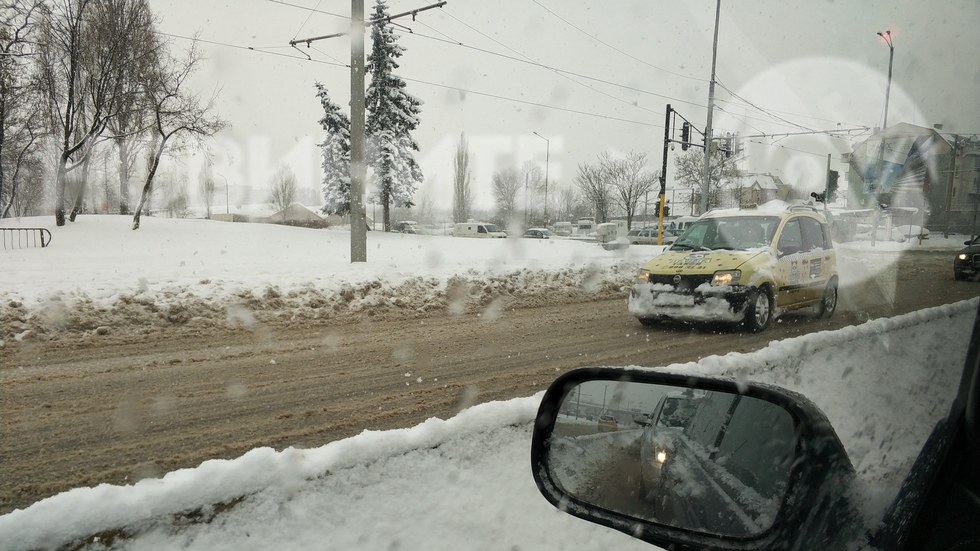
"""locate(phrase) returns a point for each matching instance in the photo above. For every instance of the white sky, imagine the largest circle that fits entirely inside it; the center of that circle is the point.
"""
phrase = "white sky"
(816, 63)
(473, 491)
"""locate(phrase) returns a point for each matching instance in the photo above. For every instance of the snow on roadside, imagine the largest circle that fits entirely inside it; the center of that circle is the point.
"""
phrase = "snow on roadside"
(97, 275)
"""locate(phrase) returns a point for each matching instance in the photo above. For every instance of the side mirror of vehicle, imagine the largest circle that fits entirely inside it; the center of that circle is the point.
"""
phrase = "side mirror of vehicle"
(719, 465)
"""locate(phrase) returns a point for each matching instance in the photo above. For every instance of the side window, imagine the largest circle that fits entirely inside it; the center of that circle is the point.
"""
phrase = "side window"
(813, 234)
(481, 229)
(791, 238)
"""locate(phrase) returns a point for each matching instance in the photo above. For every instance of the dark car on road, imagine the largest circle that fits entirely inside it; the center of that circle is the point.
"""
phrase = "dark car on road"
(966, 263)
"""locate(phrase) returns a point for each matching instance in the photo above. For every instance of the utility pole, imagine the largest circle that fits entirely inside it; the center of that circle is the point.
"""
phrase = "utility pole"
(949, 186)
(358, 166)
(663, 178)
(711, 106)
(547, 165)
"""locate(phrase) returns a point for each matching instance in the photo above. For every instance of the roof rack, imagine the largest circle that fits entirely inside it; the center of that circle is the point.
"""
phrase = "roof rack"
(811, 208)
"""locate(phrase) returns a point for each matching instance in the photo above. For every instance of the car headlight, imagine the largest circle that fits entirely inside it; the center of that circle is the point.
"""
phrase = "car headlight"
(643, 276)
(962, 256)
(726, 277)
(661, 456)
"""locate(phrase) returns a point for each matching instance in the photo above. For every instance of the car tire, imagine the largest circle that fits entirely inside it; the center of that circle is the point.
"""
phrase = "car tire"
(828, 303)
(759, 309)
(958, 275)
(648, 322)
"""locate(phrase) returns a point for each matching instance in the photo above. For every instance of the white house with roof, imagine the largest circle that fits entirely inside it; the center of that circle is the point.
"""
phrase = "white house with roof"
(752, 189)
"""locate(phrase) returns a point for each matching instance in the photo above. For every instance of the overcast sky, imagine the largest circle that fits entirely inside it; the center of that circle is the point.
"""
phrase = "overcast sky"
(589, 76)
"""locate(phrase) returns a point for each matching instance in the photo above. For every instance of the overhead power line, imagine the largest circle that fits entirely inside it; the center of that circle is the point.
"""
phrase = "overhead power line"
(614, 48)
(522, 54)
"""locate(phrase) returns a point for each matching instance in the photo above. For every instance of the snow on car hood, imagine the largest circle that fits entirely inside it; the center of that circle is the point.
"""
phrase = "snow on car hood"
(700, 262)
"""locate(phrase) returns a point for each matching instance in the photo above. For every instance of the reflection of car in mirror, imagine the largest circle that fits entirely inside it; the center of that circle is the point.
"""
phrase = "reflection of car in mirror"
(607, 423)
(743, 266)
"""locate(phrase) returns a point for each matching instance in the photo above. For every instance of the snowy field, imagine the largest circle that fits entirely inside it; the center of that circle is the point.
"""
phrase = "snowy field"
(461, 483)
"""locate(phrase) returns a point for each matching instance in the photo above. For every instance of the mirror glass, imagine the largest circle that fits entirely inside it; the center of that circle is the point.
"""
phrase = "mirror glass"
(707, 461)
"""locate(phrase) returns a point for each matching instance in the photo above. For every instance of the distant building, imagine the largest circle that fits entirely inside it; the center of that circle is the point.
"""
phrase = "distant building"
(752, 189)
(913, 166)
(293, 214)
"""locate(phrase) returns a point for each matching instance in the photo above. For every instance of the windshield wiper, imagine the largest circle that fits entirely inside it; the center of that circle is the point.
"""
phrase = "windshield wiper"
(690, 247)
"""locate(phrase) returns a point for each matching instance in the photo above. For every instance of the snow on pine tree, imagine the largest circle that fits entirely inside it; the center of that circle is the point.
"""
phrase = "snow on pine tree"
(392, 116)
(335, 150)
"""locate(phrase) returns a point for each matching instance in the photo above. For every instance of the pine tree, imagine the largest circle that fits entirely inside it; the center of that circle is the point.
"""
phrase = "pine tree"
(335, 150)
(392, 116)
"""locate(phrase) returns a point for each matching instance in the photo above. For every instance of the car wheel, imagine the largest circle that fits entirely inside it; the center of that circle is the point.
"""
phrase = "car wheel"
(828, 304)
(648, 322)
(759, 310)
(958, 275)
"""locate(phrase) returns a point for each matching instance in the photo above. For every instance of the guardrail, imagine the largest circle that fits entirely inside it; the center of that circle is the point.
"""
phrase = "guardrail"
(24, 238)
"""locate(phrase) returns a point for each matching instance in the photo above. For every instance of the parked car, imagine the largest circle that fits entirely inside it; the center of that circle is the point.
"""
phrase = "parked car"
(407, 226)
(477, 229)
(648, 236)
(966, 263)
(538, 233)
(607, 423)
(741, 266)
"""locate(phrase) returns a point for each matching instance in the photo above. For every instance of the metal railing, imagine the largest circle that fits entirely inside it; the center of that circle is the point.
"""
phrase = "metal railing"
(24, 238)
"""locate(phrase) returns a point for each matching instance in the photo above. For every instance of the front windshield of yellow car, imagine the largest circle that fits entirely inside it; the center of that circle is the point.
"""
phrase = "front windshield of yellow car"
(737, 233)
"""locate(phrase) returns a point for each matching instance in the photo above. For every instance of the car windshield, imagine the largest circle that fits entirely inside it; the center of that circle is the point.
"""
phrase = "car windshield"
(737, 233)
(263, 280)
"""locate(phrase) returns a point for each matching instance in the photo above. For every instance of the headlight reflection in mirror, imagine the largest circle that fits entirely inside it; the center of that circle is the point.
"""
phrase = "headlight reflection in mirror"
(700, 460)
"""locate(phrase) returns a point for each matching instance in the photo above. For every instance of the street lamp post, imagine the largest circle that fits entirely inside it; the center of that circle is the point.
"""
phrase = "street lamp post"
(887, 37)
(547, 164)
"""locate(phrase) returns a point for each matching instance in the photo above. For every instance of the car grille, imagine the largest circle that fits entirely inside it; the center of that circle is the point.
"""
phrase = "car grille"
(976, 261)
(687, 283)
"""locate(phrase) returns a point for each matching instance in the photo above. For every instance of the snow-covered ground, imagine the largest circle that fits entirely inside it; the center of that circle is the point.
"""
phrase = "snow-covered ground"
(461, 483)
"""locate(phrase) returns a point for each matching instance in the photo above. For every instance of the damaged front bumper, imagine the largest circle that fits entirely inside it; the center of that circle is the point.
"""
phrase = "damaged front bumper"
(702, 303)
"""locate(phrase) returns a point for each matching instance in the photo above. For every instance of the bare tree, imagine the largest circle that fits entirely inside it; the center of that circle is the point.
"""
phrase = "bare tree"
(129, 102)
(283, 189)
(82, 47)
(20, 121)
(690, 173)
(176, 113)
(505, 185)
(566, 202)
(630, 180)
(462, 195)
(595, 189)
(207, 184)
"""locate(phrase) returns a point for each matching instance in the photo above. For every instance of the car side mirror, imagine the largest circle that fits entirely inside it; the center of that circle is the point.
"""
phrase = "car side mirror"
(719, 465)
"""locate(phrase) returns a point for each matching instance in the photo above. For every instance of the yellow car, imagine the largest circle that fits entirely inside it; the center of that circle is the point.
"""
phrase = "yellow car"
(743, 265)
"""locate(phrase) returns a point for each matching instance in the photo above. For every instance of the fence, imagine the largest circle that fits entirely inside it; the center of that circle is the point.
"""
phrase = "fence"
(23, 238)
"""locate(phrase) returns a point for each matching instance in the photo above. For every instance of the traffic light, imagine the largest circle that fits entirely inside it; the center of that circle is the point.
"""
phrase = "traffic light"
(832, 185)
(666, 210)
(729, 145)
(685, 135)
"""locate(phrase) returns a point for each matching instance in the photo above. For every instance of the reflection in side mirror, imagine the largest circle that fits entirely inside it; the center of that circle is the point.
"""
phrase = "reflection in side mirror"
(705, 460)
(690, 462)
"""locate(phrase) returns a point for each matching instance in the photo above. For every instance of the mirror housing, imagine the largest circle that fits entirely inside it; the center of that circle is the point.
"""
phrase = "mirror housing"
(814, 511)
